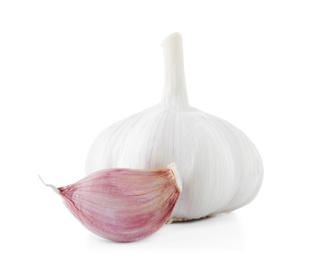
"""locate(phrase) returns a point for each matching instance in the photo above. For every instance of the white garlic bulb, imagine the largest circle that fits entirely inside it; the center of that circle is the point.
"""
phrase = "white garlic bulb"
(221, 169)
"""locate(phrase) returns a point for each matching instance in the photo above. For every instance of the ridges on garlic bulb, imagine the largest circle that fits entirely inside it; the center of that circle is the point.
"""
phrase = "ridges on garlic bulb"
(220, 168)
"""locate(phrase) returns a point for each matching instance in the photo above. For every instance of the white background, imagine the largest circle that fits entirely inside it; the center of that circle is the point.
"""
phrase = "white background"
(69, 69)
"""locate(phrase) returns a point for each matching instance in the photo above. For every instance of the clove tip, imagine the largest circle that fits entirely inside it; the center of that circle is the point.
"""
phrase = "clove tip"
(174, 170)
(56, 190)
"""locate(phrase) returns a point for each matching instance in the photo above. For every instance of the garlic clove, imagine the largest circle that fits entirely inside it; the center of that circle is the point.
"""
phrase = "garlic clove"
(123, 205)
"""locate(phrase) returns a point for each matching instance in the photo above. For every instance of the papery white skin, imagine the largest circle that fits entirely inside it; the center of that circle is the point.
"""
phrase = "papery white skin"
(220, 168)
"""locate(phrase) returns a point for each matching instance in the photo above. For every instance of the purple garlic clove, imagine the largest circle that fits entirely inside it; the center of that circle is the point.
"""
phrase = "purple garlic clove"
(123, 205)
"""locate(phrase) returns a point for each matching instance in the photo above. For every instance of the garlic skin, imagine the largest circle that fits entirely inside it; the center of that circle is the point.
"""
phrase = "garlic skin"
(123, 205)
(220, 167)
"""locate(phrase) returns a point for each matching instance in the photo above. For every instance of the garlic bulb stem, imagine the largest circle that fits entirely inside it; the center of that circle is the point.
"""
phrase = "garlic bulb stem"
(175, 92)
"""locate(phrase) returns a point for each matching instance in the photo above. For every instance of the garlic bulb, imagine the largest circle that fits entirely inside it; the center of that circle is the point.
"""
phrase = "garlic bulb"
(123, 205)
(220, 168)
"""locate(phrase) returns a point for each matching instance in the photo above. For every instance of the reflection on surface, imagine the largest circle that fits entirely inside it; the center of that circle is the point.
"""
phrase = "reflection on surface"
(220, 232)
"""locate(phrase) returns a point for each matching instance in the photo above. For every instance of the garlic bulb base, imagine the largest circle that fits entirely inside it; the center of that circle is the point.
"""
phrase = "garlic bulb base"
(177, 220)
